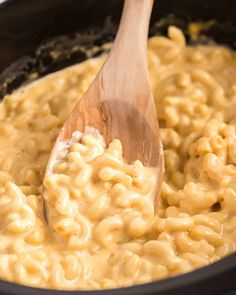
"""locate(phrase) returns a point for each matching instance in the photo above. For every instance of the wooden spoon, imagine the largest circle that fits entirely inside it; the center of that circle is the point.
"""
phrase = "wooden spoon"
(119, 102)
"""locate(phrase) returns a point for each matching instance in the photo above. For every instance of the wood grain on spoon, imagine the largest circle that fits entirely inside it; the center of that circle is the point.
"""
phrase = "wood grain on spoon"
(119, 102)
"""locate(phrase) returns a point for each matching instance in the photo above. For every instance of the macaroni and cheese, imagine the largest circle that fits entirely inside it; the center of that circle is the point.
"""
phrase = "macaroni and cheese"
(103, 231)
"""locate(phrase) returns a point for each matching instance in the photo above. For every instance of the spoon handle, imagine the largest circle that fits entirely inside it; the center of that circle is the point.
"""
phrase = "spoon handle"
(133, 30)
(125, 75)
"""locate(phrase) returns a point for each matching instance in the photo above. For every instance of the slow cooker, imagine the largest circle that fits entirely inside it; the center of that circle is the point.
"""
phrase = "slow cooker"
(31, 29)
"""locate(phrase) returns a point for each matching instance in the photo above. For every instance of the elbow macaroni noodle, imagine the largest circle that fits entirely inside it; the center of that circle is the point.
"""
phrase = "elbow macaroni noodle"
(104, 231)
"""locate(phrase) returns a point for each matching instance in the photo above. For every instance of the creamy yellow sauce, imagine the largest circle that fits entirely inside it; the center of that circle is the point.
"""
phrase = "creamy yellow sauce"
(104, 232)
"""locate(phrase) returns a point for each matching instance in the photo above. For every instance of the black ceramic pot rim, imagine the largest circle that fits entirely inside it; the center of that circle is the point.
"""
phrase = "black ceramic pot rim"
(176, 284)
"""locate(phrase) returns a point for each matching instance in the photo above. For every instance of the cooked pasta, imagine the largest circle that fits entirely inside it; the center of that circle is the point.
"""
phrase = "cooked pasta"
(103, 230)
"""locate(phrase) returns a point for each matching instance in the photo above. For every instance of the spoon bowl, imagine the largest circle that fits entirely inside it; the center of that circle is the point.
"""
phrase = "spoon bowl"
(119, 103)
